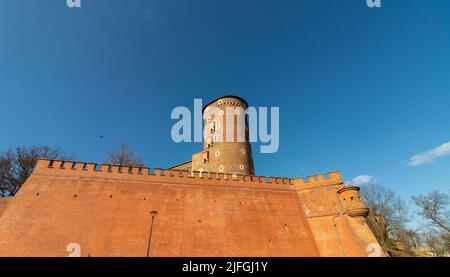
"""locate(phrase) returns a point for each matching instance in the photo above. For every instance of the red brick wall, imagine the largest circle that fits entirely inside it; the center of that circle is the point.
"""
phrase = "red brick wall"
(4, 202)
(107, 214)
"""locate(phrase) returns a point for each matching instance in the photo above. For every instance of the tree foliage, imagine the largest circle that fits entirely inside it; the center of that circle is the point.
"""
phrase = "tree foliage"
(17, 164)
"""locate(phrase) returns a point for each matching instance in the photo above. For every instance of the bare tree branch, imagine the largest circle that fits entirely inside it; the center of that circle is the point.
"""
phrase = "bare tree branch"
(433, 208)
(388, 215)
(17, 164)
(124, 156)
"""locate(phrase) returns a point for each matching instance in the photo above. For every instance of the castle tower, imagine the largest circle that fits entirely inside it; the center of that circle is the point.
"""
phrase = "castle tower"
(352, 203)
(226, 146)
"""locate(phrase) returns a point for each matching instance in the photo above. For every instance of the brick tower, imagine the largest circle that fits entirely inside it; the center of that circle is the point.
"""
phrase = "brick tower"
(226, 146)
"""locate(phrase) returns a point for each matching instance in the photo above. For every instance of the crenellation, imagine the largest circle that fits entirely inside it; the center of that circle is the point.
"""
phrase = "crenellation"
(209, 175)
(220, 176)
(175, 173)
(106, 168)
(335, 176)
(158, 172)
(115, 169)
(320, 177)
(165, 172)
(56, 164)
(97, 167)
(129, 169)
(197, 174)
(213, 175)
(90, 166)
(184, 173)
(50, 164)
(332, 178)
(140, 170)
(238, 178)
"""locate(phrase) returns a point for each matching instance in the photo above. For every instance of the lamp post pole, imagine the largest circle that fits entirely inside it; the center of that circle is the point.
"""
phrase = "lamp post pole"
(153, 214)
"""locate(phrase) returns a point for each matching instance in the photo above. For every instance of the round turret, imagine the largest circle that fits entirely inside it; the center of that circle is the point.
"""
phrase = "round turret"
(352, 202)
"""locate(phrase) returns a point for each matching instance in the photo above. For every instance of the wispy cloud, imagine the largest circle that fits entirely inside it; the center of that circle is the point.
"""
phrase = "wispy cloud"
(362, 179)
(430, 155)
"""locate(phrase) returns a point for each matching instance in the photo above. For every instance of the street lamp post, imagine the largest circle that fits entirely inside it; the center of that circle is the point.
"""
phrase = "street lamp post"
(153, 214)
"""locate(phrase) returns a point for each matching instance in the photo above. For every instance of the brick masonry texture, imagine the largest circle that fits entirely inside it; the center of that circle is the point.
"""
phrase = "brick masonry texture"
(105, 209)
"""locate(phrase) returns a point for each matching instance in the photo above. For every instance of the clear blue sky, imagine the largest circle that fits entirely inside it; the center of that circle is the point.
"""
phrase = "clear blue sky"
(360, 90)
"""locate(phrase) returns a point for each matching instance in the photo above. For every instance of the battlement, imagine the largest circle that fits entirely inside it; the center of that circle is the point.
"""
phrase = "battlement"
(160, 175)
(333, 178)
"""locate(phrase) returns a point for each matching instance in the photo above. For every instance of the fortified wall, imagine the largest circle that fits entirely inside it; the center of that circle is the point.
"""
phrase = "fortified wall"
(4, 202)
(105, 209)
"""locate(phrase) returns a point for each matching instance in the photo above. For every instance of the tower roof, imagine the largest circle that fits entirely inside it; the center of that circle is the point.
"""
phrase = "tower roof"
(226, 96)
